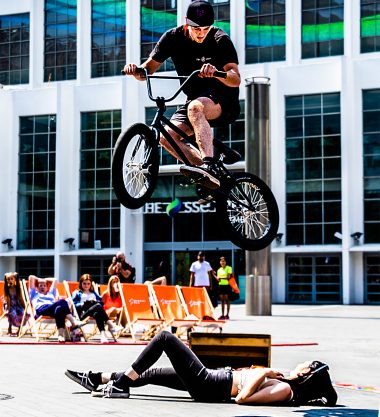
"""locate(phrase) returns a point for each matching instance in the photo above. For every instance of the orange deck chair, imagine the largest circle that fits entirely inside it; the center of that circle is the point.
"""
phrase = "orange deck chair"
(198, 303)
(171, 308)
(87, 332)
(140, 311)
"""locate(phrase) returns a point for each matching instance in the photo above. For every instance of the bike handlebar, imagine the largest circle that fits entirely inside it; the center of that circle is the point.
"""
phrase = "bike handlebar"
(186, 78)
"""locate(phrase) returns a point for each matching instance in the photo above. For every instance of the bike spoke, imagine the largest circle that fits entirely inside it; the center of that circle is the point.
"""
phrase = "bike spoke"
(248, 211)
(135, 172)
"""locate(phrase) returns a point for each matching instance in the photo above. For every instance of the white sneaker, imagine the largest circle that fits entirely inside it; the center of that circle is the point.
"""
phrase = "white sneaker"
(116, 329)
(78, 323)
(103, 339)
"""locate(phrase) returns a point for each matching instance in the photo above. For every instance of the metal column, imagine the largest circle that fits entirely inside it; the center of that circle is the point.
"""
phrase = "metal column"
(257, 157)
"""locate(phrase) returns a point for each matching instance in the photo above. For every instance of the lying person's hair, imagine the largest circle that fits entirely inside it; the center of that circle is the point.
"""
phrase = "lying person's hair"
(314, 387)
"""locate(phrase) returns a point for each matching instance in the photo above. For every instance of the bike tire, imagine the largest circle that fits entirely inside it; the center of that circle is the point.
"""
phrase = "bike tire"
(250, 229)
(135, 164)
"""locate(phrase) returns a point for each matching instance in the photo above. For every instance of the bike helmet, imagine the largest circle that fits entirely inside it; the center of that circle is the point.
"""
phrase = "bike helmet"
(200, 13)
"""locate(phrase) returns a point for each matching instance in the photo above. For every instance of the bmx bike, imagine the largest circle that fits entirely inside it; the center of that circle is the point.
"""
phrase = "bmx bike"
(244, 204)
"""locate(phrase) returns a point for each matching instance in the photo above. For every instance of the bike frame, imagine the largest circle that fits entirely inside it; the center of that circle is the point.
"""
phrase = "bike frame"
(160, 121)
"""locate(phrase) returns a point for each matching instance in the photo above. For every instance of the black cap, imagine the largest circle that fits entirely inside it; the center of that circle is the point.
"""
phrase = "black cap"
(201, 253)
(200, 13)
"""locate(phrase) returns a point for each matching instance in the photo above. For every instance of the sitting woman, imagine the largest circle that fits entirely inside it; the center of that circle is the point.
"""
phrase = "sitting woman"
(89, 304)
(112, 300)
(14, 302)
(309, 383)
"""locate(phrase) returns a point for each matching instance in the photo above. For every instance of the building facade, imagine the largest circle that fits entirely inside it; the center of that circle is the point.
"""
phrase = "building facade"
(63, 104)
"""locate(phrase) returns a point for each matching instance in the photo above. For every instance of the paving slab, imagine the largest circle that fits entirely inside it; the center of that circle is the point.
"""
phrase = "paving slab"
(32, 380)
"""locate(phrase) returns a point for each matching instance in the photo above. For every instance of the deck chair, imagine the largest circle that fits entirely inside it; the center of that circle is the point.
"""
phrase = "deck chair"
(101, 288)
(198, 303)
(140, 311)
(90, 330)
(171, 308)
(41, 327)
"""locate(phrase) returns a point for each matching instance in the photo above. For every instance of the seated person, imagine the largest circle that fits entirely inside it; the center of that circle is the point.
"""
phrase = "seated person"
(112, 300)
(45, 303)
(14, 304)
(89, 304)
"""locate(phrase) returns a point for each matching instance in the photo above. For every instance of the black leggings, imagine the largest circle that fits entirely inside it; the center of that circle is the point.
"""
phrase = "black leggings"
(189, 374)
(98, 313)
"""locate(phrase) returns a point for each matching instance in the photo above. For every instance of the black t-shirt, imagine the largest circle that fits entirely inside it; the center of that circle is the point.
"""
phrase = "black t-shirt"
(187, 55)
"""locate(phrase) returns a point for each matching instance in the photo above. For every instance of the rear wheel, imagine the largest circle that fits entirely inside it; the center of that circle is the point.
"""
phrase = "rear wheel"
(135, 164)
(249, 212)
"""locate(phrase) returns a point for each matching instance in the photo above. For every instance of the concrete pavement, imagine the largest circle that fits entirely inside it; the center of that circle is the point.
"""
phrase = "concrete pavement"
(32, 381)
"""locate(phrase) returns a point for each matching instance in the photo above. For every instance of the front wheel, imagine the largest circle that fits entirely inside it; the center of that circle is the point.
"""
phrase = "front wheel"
(135, 164)
(248, 212)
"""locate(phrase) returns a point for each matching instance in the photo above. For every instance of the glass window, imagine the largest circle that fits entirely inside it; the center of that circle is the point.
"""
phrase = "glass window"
(162, 226)
(98, 207)
(313, 169)
(322, 28)
(264, 31)
(36, 188)
(369, 26)
(97, 267)
(222, 14)
(60, 40)
(372, 279)
(107, 37)
(41, 267)
(313, 279)
(156, 18)
(371, 165)
(14, 49)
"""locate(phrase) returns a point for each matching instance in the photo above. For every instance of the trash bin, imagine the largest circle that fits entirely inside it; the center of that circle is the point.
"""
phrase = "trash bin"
(258, 295)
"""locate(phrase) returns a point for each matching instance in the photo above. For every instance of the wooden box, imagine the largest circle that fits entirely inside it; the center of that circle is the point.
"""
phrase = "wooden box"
(217, 350)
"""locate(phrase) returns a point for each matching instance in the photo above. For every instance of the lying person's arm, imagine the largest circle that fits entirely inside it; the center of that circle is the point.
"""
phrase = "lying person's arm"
(273, 391)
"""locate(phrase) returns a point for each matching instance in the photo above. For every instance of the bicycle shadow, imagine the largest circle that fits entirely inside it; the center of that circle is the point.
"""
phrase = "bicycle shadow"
(338, 411)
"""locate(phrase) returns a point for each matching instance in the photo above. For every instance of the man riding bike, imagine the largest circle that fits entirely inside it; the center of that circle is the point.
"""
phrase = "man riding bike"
(210, 101)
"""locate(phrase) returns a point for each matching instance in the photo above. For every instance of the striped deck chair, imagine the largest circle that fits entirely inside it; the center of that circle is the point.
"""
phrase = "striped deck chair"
(198, 303)
(171, 308)
(140, 311)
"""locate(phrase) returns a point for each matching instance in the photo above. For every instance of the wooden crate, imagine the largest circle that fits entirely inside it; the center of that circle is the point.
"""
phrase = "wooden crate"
(217, 350)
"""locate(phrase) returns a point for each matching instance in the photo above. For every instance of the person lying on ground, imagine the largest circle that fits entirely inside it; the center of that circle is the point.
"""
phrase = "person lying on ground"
(308, 383)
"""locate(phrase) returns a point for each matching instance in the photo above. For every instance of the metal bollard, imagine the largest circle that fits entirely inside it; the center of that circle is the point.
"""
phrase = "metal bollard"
(259, 303)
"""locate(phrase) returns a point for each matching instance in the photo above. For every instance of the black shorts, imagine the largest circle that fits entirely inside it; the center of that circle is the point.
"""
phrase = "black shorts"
(224, 289)
(230, 112)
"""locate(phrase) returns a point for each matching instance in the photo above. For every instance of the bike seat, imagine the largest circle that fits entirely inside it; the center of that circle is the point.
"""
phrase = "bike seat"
(230, 155)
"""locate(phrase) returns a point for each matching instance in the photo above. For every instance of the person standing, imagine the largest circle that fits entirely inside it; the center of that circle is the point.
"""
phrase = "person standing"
(202, 275)
(223, 275)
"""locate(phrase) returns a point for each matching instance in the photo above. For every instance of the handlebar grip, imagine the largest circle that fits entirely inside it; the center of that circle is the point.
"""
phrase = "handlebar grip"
(220, 74)
(138, 70)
